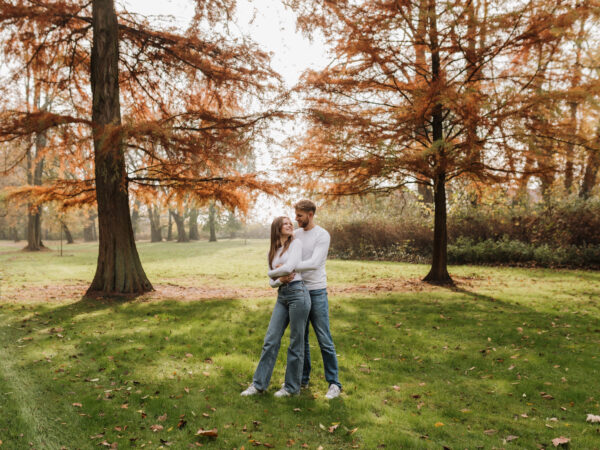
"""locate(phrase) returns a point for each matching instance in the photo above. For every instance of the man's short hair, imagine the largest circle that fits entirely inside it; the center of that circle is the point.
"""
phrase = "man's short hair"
(306, 206)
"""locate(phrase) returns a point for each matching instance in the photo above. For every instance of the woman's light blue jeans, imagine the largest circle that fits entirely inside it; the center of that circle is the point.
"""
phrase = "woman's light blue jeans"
(292, 307)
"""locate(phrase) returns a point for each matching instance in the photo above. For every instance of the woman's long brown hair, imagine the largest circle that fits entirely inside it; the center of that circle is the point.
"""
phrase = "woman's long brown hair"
(276, 239)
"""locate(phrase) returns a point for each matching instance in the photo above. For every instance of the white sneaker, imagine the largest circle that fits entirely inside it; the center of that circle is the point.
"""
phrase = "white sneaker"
(333, 392)
(250, 391)
(282, 393)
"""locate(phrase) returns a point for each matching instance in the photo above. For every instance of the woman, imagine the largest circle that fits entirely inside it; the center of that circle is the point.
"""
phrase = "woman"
(293, 306)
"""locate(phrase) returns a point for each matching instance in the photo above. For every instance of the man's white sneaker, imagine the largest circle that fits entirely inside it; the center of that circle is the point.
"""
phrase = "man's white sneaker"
(282, 393)
(250, 391)
(333, 392)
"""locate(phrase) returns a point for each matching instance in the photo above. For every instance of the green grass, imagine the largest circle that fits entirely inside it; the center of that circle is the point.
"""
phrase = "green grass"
(421, 367)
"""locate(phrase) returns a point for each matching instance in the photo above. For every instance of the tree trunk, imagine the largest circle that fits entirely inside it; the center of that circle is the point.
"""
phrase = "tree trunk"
(193, 225)
(590, 173)
(425, 192)
(170, 228)
(155, 230)
(34, 177)
(15, 234)
(119, 268)
(212, 218)
(180, 222)
(439, 264)
(89, 232)
(67, 232)
(571, 149)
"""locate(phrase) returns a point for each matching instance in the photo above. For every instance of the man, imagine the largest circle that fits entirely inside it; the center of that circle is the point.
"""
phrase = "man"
(315, 245)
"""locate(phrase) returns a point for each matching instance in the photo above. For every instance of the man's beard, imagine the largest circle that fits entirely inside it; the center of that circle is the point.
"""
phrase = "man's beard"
(303, 223)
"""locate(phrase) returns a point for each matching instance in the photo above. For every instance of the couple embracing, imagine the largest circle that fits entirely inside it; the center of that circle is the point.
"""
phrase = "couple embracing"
(297, 270)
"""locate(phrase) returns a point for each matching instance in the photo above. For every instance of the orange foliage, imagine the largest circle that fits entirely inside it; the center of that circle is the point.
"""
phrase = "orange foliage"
(184, 128)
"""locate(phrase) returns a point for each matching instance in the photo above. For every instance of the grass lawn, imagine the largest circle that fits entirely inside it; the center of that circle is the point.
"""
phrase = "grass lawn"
(509, 359)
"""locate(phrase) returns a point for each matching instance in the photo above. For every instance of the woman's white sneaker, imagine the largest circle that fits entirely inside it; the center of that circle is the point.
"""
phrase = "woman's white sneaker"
(282, 393)
(250, 391)
(333, 392)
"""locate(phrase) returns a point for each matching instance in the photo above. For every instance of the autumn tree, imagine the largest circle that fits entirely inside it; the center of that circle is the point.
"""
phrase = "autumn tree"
(179, 99)
(419, 92)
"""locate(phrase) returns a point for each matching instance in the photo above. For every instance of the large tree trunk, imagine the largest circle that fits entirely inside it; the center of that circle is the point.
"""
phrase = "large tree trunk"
(180, 222)
(439, 264)
(155, 230)
(119, 269)
(193, 225)
(212, 218)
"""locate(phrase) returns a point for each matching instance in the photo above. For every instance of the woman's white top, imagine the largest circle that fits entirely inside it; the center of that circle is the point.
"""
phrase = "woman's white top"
(287, 262)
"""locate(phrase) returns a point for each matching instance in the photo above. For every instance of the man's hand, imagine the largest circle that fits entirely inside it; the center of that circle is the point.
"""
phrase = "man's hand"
(286, 279)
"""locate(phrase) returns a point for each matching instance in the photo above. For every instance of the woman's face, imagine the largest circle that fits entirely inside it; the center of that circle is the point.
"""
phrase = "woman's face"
(287, 229)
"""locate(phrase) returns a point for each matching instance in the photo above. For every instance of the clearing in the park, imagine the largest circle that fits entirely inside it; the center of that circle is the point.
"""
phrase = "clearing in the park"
(507, 359)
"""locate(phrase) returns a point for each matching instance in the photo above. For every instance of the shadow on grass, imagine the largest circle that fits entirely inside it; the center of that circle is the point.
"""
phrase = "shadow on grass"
(446, 352)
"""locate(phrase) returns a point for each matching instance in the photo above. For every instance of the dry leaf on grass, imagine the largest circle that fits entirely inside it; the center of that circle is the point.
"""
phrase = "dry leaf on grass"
(209, 433)
(592, 418)
(560, 441)
(156, 428)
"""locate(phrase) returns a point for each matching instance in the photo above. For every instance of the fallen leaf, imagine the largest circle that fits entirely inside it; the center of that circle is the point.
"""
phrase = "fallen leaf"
(205, 415)
(156, 428)
(511, 437)
(78, 405)
(297, 410)
(592, 418)
(396, 388)
(206, 374)
(332, 428)
(162, 418)
(490, 432)
(439, 424)
(560, 441)
(124, 406)
(209, 433)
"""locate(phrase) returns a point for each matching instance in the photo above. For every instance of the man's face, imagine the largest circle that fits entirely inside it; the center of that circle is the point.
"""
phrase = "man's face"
(303, 218)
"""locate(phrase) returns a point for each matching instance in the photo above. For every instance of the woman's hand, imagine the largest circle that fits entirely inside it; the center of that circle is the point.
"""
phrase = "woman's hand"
(288, 278)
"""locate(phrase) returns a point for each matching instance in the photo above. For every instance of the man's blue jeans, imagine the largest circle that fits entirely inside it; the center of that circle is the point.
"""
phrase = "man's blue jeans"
(319, 317)
(292, 307)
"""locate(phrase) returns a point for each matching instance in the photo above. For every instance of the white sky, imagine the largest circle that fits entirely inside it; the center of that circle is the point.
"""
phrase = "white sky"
(273, 27)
